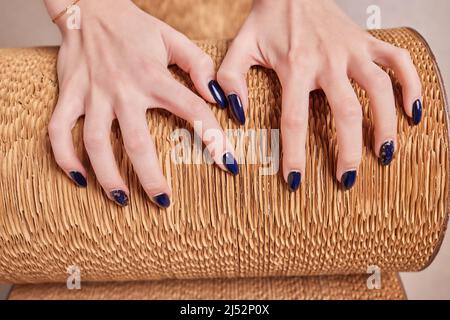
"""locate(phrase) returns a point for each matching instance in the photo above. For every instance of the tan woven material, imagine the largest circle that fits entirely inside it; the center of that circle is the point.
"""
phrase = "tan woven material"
(328, 287)
(218, 226)
(200, 19)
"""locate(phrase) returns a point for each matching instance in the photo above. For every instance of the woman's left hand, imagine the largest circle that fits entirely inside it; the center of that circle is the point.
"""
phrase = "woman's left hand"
(311, 44)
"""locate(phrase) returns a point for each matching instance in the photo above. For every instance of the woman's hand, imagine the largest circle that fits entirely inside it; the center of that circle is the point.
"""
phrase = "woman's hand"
(311, 44)
(115, 67)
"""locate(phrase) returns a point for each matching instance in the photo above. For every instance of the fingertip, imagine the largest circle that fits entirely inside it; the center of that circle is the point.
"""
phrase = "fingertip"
(218, 94)
(294, 180)
(162, 200)
(78, 178)
(417, 112)
(230, 163)
(348, 179)
(120, 197)
(386, 152)
(237, 108)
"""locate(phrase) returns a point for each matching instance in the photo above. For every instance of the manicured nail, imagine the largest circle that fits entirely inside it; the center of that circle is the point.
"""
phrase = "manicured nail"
(78, 178)
(218, 94)
(387, 153)
(348, 179)
(120, 197)
(417, 112)
(237, 110)
(230, 163)
(294, 180)
(162, 200)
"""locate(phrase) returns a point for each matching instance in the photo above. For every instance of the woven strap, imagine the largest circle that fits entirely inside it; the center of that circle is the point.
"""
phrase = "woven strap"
(219, 226)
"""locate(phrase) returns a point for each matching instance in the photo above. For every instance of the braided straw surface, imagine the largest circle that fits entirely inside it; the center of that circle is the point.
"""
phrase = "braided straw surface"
(325, 287)
(200, 19)
(219, 226)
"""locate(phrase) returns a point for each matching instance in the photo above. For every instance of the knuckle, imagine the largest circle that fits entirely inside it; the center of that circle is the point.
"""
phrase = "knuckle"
(152, 71)
(334, 65)
(293, 56)
(347, 111)
(205, 62)
(381, 80)
(137, 143)
(225, 75)
(197, 109)
(403, 55)
(294, 121)
(94, 140)
(297, 51)
(54, 128)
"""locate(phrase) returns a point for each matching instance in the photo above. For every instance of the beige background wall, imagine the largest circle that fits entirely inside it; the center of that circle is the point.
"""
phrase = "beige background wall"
(25, 23)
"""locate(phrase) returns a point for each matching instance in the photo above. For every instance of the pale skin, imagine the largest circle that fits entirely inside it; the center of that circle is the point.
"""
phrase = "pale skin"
(115, 67)
(118, 70)
(311, 44)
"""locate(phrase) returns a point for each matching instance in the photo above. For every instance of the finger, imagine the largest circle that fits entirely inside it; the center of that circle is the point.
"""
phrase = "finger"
(348, 121)
(141, 150)
(97, 131)
(232, 76)
(399, 60)
(378, 85)
(182, 102)
(294, 126)
(193, 60)
(64, 118)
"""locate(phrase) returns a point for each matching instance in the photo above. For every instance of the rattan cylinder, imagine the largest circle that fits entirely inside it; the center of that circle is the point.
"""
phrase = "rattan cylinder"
(219, 226)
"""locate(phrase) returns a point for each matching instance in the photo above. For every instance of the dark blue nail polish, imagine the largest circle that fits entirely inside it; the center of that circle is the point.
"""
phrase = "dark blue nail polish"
(348, 179)
(78, 178)
(120, 197)
(237, 110)
(218, 94)
(417, 112)
(162, 200)
(294, 180)
(230, 163)
(387, 151)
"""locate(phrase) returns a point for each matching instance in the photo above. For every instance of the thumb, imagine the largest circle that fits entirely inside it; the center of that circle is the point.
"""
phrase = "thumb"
(232, 76)
(193, 60)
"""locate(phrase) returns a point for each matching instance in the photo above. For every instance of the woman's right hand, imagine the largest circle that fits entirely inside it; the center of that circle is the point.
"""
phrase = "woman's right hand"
(115, 67)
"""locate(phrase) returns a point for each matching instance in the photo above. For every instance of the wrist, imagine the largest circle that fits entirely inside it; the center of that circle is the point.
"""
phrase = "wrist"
(88, 11)
(271, 3)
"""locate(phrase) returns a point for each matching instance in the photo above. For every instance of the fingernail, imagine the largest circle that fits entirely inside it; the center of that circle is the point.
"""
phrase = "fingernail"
(218, 94)
(78, 178)
(348, 179)
(387, 153)
(230, 163)
(294, 180)
(237, 110)
(417, 112)
(162, 200)
(120, 197)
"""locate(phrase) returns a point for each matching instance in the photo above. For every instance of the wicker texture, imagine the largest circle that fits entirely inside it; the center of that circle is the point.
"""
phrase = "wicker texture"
(219, 226)
(200, 19)
(326, 287)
